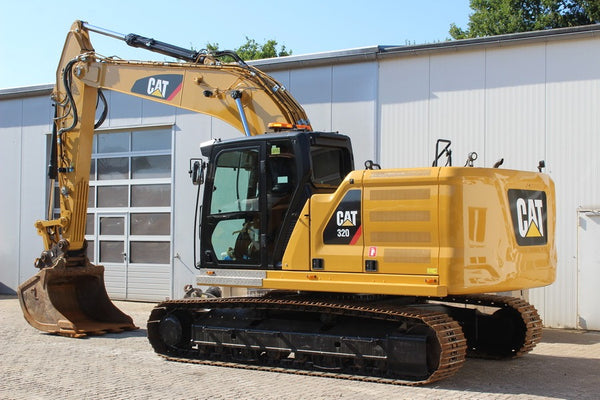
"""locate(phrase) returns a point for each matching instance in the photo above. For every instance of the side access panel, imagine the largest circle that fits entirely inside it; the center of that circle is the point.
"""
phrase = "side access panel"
(400, 214)
(336, 240)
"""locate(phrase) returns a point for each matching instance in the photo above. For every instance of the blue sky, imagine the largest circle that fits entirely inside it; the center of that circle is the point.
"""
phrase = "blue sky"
(32, 32)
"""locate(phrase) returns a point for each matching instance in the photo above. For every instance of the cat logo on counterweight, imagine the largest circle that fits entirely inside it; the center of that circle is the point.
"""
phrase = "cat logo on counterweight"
(528, 210)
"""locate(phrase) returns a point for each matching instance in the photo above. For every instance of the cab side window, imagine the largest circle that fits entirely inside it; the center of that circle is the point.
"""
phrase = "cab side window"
(236, 182)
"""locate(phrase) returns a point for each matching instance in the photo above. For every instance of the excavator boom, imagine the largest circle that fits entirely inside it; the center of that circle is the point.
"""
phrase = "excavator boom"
(68, 295)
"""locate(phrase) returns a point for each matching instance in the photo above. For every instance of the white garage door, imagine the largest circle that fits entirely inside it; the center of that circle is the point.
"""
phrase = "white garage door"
(129, 212)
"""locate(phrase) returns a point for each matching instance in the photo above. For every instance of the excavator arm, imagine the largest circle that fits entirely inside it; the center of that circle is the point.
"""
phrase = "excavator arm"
(68, 296)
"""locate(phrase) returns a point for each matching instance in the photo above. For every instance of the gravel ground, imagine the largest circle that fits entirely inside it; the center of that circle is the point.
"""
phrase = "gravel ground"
(35, 365)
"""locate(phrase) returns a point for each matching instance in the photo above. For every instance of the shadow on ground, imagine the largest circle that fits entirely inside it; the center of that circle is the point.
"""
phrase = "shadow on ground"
(532, 374)
(571, 336)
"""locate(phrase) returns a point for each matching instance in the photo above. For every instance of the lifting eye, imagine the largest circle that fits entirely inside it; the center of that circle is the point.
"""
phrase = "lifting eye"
(369, 164)
(470, 159)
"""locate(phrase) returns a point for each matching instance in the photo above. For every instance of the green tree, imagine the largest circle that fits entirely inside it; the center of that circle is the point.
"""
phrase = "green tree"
(252, 50)
(497, 17)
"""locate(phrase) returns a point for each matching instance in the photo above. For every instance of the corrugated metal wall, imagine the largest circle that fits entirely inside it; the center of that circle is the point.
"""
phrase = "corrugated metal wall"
(339, 98)
(523, 103)
(573, 140)
(23, 124)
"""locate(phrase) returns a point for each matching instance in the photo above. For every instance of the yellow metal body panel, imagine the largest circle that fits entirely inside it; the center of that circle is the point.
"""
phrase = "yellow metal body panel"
(261, 107)
(478, 249)
(414, 285)
(297, 255)
(430, 231)
(348, 258)
(400, 220)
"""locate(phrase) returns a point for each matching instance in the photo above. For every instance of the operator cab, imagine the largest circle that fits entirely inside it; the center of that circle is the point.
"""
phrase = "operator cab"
(255, 189)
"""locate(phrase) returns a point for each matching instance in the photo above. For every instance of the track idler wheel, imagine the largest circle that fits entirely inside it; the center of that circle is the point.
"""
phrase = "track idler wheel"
(171, 330)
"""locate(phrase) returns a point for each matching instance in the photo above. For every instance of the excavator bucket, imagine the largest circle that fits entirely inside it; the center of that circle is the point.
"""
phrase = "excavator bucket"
(71, 301)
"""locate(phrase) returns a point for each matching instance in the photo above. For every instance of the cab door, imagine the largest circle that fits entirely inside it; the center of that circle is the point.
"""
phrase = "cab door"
(232, 234)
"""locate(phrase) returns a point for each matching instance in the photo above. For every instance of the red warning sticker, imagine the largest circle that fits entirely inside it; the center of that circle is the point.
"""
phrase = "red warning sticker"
(373, 251)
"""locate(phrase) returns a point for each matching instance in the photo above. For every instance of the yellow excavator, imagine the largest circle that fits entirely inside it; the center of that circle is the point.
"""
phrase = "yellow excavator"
(376, 274)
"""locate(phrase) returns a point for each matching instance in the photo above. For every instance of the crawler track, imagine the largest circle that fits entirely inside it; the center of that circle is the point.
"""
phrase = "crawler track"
(359, 358)
(513, 330)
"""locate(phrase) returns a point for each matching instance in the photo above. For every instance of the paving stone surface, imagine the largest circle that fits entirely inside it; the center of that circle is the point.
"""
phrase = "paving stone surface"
(35, 365)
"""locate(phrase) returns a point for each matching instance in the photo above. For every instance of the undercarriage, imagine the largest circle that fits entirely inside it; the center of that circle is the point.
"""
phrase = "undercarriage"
(390, 339)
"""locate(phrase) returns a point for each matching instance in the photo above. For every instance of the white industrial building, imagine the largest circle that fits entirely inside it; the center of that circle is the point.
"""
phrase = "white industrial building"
(523, 97)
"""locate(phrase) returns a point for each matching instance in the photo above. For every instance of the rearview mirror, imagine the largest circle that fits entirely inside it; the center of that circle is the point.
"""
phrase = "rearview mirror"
(197, 171)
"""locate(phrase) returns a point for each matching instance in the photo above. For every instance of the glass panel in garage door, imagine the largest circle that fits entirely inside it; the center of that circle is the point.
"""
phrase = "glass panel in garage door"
(147, 167)
(113, 168)
(150, 252)
(112, 196)
(151, 223)
(113, 142)
(158, 139)
(151, 195)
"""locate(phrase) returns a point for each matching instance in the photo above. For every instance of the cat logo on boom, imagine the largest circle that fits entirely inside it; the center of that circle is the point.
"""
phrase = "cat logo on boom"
(165, 86)
(529, 216)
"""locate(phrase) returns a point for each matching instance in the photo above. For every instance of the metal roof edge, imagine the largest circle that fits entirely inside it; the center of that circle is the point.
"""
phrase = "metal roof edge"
(372, 53)
(495, 41)
(360, 54)
(26, 91)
